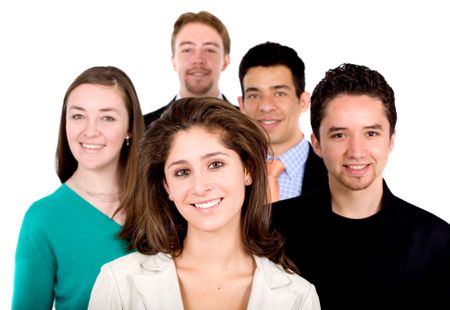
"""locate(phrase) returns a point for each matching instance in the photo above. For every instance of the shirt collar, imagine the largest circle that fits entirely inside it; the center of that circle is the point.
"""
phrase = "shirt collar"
(295, 158)
(221, 96)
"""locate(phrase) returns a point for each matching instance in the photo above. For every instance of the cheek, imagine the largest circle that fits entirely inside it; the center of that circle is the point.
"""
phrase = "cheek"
(235, 180)
(382, 152)
(115, 135)
(176, 190)
(331, 154)
(181, 62)
(251, 108)
(72, 132)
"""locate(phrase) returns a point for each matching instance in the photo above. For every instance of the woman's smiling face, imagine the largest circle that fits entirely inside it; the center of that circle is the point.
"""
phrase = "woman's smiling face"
(205, 180)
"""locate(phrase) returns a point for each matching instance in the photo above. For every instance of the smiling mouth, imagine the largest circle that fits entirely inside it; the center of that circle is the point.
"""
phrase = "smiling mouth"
(198, 72)
(207, 204)
(92, 146)
(268, 123)
(357, 170)
(356, 167)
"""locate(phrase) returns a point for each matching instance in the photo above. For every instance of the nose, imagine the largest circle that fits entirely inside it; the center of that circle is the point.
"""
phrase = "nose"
(198, 57)
(201, 183)
(91, 129)
(266, 104)
(356, 147)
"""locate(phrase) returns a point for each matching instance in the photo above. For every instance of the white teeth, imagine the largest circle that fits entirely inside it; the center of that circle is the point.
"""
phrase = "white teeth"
(208, 204)
(198, 74)
(92, 146)
(268, 122)
(356, 167)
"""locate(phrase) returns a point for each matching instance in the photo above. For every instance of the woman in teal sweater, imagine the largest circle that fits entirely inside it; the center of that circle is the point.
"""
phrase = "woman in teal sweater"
(67, 236)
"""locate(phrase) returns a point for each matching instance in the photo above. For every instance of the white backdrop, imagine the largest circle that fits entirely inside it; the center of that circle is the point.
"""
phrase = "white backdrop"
(45, 44)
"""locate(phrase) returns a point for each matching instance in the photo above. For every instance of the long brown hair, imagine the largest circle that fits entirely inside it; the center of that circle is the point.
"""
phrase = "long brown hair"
(65, 162)
(153, 223)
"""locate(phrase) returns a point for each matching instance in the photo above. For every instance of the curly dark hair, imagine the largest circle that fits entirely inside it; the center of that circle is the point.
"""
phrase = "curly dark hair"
(351, 79)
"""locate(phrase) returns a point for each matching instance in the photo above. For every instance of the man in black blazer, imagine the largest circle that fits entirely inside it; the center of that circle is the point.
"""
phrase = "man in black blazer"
(361, 246)
(272, 78)
(200, 52)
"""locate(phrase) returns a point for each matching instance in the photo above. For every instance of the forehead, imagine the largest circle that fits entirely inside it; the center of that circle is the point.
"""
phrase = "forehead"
(261, 76)
(196, 32)
(349, 110)
(196, 138)
(94, 95)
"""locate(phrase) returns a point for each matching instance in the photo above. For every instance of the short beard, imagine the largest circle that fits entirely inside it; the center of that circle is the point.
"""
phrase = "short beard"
(198, 90)
(352, 186)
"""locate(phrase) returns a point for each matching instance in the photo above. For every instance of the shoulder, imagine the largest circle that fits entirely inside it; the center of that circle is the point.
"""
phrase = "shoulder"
(275, 276)
(137, 262)
(428, 222)
(425, 229)
(154, 115)
(46, 207)
(417, 217)
(278, 288)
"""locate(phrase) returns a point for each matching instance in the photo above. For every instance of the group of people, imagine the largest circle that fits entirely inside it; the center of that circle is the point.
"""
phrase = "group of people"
(203, 204)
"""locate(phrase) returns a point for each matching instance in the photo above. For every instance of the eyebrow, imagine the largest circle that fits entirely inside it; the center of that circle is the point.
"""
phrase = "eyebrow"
(275, 87)
(208, 155)
(203, 44)
(374, 127)
(101, 110)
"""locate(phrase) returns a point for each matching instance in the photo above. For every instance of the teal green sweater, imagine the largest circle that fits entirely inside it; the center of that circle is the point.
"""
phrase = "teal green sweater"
(63, 242)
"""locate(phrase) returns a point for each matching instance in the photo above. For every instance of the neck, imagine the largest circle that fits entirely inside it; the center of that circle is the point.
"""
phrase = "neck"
(211, 249)
(212, 93)
(356, 204)
(104, 182)
(99, 189)
(279, 149)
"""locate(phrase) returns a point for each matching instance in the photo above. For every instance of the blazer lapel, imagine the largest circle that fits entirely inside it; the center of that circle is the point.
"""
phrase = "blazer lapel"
(160, 290)
(269, 287)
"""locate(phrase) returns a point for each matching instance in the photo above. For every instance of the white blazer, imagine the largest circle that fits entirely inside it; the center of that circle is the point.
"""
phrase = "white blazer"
(137, 281)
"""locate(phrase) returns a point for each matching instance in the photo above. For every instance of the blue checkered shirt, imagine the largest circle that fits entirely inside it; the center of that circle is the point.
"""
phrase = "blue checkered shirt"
(294, 160)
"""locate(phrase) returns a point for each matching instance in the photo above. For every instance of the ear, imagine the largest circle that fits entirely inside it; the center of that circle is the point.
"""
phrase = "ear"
(174, 63)
(166, 187)
(391, 142)
(226, 61)
(316, 145)
(247, 178)
(305, 99)
(241, 103)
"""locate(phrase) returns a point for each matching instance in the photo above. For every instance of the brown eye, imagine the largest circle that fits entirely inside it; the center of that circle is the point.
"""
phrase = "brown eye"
(77, 116)
(109, 118)
(338, 135)
(215, 164)
(182, 172)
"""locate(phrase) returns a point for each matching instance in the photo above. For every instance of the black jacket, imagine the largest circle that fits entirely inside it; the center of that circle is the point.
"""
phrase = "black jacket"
(398, 258)
(315, 175)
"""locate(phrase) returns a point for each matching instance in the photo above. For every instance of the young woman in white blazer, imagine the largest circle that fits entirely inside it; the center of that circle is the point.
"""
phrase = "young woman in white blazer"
(199, 220)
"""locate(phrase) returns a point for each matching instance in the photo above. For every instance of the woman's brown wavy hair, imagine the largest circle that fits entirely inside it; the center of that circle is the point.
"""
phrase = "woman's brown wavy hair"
(153, 223)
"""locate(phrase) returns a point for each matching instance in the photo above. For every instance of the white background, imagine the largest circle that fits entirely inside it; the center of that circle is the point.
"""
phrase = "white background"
(44, 45)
